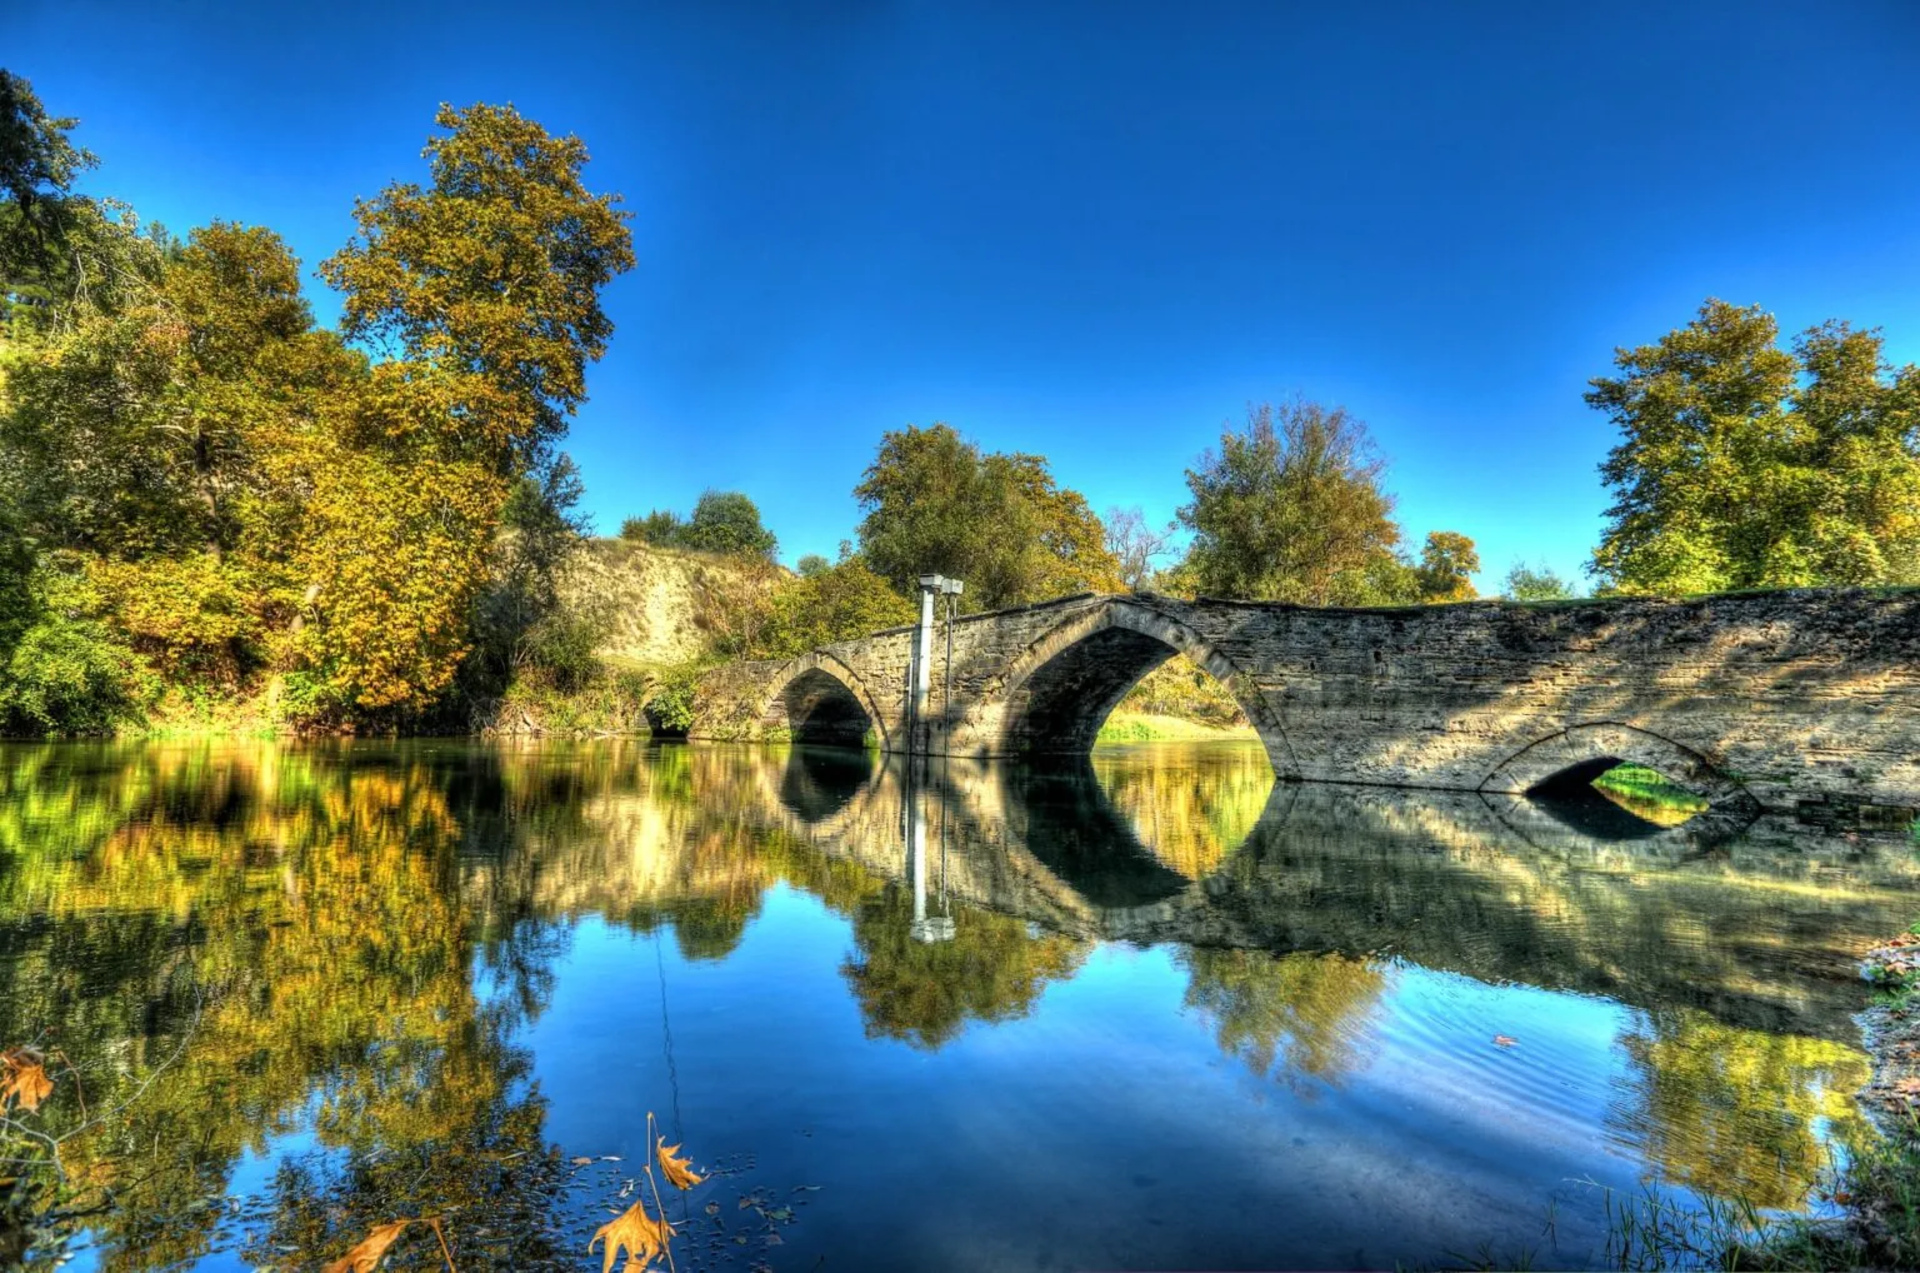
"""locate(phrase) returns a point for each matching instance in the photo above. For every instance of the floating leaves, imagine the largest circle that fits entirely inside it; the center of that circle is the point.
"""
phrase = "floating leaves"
(24, 1081)
(367, 1254)
(642, 1237)
(678, 1171)
(1504, 1040)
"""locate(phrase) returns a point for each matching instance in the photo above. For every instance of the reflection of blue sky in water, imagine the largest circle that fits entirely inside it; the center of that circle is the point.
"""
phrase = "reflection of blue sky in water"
(1106, 1128)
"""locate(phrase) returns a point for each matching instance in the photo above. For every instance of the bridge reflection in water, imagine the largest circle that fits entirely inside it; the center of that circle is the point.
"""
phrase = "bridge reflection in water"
(1209, 851)
(1298, 907)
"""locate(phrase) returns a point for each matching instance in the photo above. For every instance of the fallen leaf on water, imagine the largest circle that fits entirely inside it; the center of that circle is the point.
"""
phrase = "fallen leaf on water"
(679, 1171)
(580, 1162)
(23, 1079)
(640, 1234)
(713, 1208)
(1504, 1040)
(367, 1255)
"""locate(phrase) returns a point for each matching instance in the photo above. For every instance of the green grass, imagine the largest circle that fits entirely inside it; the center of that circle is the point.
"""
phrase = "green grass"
(1648, 794)
(1141, 727)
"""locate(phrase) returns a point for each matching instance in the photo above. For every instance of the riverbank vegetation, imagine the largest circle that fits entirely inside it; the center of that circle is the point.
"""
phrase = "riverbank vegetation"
(207, 496)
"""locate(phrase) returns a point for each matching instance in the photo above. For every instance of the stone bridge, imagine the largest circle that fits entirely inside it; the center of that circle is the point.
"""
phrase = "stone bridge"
(1803, 700)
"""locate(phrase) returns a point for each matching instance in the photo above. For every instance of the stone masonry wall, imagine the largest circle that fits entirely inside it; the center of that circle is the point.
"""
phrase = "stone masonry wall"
(1794, 700)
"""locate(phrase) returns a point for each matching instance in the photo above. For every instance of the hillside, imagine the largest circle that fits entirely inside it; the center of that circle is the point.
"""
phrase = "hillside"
(661, 606)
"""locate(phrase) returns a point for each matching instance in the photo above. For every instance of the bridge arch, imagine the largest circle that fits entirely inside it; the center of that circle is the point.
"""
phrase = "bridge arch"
(1581, 753)
(1058, 691)
(819, 699)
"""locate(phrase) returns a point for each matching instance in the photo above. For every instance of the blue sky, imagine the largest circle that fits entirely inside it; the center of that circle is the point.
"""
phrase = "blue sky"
(1095, 231)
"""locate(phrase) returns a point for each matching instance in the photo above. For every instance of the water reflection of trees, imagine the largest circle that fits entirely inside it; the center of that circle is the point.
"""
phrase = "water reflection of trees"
(1737, 1113)
(1303, 1011)
(238, 943)
(1194, 806)
(992, 969)
(306, 927)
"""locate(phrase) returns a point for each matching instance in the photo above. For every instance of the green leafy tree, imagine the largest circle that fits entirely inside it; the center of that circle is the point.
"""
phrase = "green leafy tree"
(659, 527)
(1527, 584)
(935, 504)
(1744, 465)
(521, 627)
(1447, 563)
(812, 564)
(38, 164)
(1291, 508)
(484, 287)
(834, 604)
(727, 522)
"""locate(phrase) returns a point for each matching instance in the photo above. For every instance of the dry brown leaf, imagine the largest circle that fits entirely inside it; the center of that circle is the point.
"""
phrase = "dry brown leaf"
(365, 1257)
(679, 1171)
(1504, 1040)
(24, 1080)
(641, 1235)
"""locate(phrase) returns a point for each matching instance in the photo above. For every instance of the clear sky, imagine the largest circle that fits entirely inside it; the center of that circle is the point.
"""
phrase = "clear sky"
(1095, 231)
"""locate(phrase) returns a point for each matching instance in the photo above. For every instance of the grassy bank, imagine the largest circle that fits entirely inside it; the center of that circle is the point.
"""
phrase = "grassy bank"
(1148, 727)
(1648, 794)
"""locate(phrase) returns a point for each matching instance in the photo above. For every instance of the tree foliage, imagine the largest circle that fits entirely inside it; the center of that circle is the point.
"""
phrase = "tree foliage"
(248, 501)
(1524, 583)
(934, 503)
(1744, 465)
(485, 285)
(1447, 563)
(835, 603)
(1137, 546)
(725, 522)
(1291, 508)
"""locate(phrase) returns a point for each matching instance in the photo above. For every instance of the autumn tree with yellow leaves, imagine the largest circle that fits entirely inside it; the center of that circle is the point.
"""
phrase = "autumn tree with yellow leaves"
(201, 491)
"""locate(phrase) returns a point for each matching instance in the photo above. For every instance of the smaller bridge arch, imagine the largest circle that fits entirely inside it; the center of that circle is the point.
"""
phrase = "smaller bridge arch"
(1581, 753)
(819, 699)
(1062, 687)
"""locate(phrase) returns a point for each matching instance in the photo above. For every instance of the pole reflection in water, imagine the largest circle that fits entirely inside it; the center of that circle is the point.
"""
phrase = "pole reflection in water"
(926, 928)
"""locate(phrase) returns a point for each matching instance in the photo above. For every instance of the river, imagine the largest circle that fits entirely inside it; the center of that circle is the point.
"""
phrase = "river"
(1150, 1011)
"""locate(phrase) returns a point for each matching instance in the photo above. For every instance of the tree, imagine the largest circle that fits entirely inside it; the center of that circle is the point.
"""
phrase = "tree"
(812, 564)
(1743, 465)
(834, 603)
(488, 283)
(1291, 509)
(659, 527)
(520, 626)
(1137, 546)
(934, 504)
(727, 522)
(1446, 566)
(38, 164)
(1526, 584)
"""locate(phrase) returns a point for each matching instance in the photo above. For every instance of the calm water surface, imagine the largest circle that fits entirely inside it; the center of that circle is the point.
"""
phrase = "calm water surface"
(1151, 1011)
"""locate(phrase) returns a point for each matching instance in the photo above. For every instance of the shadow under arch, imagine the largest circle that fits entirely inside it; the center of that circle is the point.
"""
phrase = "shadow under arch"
(1058, 691)
(1060, 812)
(819, 699)
(819, 782)
(1575, 756)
